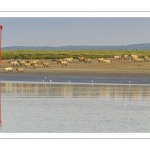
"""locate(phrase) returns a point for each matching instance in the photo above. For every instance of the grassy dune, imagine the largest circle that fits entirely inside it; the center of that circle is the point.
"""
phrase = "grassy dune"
(54, 54)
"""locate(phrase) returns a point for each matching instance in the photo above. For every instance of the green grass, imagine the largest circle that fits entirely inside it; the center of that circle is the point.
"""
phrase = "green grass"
(55, 54)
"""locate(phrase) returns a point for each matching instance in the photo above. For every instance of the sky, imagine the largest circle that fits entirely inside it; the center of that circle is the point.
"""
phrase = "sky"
(61, 31)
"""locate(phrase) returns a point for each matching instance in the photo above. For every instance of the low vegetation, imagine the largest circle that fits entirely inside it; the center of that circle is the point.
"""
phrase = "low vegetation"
(56, 54)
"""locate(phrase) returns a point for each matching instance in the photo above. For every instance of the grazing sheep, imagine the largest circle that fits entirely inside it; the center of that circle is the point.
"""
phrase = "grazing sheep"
(126, 57)
(137, 59)
(87, 60)
(64, 63)
(27, 61)
(106, 61)
(21, 62)
(45, 64)
(69, 60)
(59, 61)
(133, 57)
(13, 63)
(27, 65)
(19, 70)
(35, 65)
(33, 62)
(37, 61)
(100, 59)
(8, 69)
(117, 57)
(81, 59)
(145, 58)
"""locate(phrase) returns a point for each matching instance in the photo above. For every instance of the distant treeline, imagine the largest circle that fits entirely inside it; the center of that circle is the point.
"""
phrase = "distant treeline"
(55, 54)
(144, 46)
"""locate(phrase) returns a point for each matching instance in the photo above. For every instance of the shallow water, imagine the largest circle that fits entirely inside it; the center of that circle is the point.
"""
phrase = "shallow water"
(101, 78)
(80, 108)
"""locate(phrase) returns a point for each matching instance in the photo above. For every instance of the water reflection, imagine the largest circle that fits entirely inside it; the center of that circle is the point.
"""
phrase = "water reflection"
(133, 92)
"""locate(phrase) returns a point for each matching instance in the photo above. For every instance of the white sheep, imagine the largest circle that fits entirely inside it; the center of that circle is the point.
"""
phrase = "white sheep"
(106, 61)
(64, 63)
(145, 58)
(13, 63)
(125, 57)
(8, 69)
(87, 60)
(70, 60)
(117, 57)
(100, 60)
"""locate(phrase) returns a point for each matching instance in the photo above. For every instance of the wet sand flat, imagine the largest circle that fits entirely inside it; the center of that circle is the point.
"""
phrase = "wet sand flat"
(116, 67)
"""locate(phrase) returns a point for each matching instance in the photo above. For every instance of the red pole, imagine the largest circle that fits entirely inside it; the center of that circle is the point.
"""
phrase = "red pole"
(1, 27)
(0, 107)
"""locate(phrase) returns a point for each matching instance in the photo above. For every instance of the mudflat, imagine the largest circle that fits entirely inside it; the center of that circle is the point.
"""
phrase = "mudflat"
(116, 67)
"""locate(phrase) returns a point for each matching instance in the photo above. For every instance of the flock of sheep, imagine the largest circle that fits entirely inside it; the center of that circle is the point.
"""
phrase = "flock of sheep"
(134, 58)
(65, 61)
(34, 64)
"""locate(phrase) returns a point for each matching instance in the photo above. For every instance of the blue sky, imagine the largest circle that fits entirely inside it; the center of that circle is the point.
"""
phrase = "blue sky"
(74, 31)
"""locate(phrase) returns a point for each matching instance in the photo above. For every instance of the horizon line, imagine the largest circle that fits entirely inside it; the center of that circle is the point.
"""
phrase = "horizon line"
(72, 45)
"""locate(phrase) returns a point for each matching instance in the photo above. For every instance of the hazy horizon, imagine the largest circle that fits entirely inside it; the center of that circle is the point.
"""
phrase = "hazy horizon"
(56, 32)
(71, 45)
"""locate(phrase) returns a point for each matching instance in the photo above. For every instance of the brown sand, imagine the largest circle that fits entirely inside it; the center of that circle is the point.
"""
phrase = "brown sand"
(119, 67)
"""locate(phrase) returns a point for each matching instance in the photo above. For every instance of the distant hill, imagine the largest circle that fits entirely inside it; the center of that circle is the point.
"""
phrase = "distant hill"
(144, 46)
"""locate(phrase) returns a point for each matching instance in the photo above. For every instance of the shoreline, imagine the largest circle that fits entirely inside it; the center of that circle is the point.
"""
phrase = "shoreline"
(74, 83)
(119, 67)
